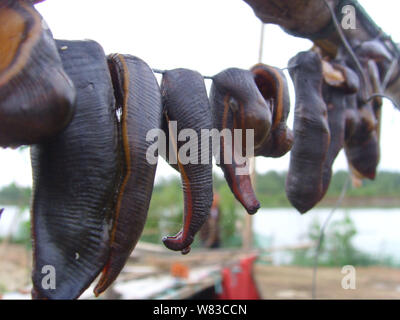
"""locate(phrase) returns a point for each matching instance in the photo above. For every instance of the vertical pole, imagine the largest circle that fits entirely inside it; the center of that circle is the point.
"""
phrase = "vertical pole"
(261, 48)
(248, 225)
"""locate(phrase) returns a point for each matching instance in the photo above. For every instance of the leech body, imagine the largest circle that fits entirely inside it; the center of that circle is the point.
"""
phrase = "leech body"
(311, 133)
(237, 103)
(336, 99)
(36, 96)
(75, 176)
(138, 96)
(272, 84)
(362, 143)
(185, 100)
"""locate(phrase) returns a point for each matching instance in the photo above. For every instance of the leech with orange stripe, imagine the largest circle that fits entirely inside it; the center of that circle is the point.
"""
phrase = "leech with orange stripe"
(272, 83)
(185, 101)
(36, 96)
(255, 100)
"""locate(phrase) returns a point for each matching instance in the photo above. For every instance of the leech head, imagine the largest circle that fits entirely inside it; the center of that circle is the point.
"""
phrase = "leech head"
(237, 104)
(309, 62)
(246, 103)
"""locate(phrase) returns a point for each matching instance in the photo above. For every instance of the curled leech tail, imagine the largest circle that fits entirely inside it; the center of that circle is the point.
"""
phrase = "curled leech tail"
(272, 84)
(237, 103)
(185, 101)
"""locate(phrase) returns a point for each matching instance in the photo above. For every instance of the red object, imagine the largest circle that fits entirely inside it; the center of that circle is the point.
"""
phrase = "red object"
(238, 281)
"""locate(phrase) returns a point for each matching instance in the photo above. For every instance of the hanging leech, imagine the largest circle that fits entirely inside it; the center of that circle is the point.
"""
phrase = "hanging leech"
(138, 97)
(361, 139)
(95, 159)
(185, 101)
(311, 133)
(362, 146)
(75, 176)
(237, 103)
(335, 94)
(36, 96)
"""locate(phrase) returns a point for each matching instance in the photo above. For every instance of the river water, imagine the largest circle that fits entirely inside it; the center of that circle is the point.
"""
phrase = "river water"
(377, 229)
(11, 219)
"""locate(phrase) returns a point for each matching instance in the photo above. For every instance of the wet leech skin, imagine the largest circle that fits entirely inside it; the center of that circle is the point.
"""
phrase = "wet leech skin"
(75, 176)
(138, 97)
(272, 84)
(37, 97)
(311, 133)
(185, 101)
(237, 103)
(336, 99)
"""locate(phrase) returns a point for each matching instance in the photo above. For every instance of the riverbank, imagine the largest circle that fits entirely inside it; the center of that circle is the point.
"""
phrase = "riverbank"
(274, 282)
(287, 282)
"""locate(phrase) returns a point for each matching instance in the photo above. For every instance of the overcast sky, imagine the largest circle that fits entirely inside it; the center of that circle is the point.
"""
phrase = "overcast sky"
(207, 36)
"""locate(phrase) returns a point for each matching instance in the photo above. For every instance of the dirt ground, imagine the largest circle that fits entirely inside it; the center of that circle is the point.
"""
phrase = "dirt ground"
(15, 268)
(274, 282)
(296, 283)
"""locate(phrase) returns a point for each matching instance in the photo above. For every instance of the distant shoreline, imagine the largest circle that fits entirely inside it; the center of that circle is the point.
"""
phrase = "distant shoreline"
(388, 202)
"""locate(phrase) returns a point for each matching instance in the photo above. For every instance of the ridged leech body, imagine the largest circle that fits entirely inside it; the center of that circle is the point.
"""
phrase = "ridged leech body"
(335, 98)
(311, 133)
(36, 96)
(362, 140)
(362, 143)
(139, 99)
(237, 103)
(272, 84)
(185, 101)
(75, 176)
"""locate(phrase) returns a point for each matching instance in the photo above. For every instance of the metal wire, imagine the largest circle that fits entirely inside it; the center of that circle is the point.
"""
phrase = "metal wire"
(322, 235)
(358, 64)
(349, 49)
(389, 74)
(382, 95)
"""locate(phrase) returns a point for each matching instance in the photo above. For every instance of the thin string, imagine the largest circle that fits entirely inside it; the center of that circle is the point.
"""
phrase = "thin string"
(382, 95)
(353, 56)
(160, 71)
(358, 64)
(322, 235)
(348, 48)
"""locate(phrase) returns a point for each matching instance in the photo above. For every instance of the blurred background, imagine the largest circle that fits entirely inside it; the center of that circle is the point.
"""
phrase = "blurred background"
(209, 36)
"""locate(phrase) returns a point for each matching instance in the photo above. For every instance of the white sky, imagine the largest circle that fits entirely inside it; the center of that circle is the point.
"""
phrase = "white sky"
(207, 36)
